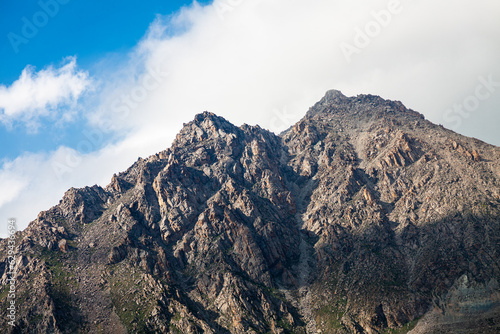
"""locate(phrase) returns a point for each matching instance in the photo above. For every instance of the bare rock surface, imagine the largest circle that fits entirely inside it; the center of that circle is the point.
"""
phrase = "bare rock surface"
(361, 218)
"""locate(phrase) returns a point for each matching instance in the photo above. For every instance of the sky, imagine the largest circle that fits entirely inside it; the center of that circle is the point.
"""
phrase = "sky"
(88, 87)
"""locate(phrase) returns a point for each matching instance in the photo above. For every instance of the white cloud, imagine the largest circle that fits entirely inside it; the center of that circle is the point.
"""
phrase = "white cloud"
(267, 62)
(13, 183)
(35, 182)
(39, 93)
(283, 55)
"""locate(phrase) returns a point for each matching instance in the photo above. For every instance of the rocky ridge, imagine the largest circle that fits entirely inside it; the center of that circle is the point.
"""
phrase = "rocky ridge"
(361, 218)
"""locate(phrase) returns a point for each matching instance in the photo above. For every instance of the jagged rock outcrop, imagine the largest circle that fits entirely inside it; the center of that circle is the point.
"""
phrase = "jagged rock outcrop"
(361, 218)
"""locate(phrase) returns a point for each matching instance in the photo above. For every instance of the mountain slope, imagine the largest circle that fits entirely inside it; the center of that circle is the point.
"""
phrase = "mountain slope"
(360, 218)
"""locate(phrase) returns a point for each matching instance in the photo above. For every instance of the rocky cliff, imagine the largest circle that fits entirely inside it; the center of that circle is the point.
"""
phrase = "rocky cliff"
(361, 218)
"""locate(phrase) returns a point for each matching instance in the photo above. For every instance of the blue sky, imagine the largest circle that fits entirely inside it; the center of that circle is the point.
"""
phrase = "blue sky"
(101, 83)
(88, 30)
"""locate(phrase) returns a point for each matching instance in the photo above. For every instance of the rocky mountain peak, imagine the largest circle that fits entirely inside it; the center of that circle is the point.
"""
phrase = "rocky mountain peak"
(361, 218)
(205, 126)
(333, 96)
(334, 102)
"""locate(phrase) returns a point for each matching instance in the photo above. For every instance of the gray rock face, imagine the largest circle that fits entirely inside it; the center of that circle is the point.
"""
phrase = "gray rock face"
(361, 218)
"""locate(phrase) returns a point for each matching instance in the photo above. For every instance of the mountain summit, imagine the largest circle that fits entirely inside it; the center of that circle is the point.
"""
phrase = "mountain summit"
(361, 218)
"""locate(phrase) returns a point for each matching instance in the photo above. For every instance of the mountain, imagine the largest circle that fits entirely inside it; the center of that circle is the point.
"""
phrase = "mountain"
(361, 218)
